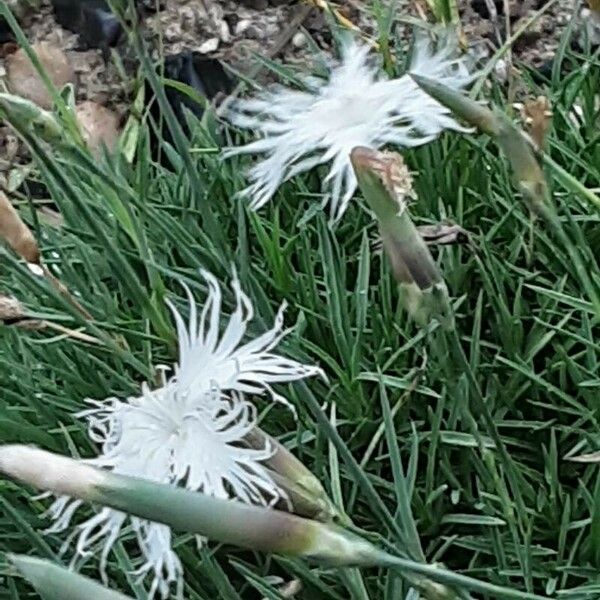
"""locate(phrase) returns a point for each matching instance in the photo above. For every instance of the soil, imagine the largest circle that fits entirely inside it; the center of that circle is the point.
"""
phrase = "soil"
(536, 46)
(237, 30)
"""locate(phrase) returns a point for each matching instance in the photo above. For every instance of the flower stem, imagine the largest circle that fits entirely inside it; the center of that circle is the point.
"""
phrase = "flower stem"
(457, 580)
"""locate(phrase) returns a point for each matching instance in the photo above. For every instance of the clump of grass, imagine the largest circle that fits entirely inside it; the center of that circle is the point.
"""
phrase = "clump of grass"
(392, 435)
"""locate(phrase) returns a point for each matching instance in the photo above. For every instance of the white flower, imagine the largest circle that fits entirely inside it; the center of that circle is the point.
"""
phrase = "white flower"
(356, 106)
(250, 368)
(189, 431)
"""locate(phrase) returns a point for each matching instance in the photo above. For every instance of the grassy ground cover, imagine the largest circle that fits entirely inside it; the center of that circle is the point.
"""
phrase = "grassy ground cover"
(395, 424)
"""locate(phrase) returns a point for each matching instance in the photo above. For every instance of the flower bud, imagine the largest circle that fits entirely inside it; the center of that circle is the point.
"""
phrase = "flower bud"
(387, 186)
(54, 582)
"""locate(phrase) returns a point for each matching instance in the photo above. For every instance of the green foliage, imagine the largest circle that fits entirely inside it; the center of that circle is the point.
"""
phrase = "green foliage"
(53, 582)
(445, 11)
(412, 463)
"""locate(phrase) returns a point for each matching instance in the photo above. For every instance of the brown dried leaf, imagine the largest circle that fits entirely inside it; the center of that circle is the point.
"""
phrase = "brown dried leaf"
(24, 80)
(31, 324)
(443, 234)
(422, 9)
(12, 312)
(16, 233)
(537, 116)
(19, 237)
(7, 49)
(99, 126)
(10, 308)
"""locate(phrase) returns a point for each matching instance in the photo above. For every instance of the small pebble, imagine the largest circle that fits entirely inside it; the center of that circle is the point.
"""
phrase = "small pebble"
(209, 46)
(172, 32)
(224, 32)
(11, 147)
(299, 40)
(271, 29)
(242, 25)
(253, 32)
(188, 18)
(501, 70)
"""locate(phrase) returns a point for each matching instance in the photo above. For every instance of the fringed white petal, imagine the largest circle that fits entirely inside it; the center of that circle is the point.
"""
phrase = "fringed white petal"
(160, 562)
(441, 61)
(209, 358)
(356, 106)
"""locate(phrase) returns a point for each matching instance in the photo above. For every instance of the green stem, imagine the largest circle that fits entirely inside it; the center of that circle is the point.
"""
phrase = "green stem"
(181, 141)
(456, 580)
(352, 465)
(572, 183)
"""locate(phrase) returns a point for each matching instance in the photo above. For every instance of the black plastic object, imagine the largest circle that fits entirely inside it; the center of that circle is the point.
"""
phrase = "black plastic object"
(92, 20)
(6, 34)
(206, 76)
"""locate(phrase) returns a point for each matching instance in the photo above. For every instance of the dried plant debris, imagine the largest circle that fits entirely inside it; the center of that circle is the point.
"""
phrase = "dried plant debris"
(23, 79)
(16, 233)
(22, 10)
(96, 79)
(11, 309)
(536, 114)
(494, 8)
(13, 314)
(100, 126)
(233, 30)
(444, 234)
(62, 56)
(229, 29)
